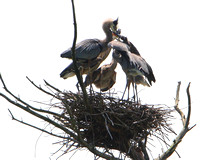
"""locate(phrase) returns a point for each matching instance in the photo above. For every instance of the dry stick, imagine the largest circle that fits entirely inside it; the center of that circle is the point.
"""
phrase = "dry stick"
(185, 129)
(79, 77)
(45, 131)
(67, 131)
(40, 88)
(56, 89)
(27, 109)
(177, 104)
(26, 104)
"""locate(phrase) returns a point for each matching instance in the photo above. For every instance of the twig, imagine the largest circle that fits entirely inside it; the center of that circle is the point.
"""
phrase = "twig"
(45, 131)
(28, 106)
(56, 89)
(40, 88)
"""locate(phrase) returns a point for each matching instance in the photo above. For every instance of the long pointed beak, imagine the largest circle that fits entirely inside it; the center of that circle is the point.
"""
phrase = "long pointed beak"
(117, 33)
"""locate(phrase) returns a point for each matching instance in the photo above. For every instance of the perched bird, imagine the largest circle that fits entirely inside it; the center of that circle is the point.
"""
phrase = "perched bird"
(104, 77)
(90, 53)
(125, 40)
(134, 66)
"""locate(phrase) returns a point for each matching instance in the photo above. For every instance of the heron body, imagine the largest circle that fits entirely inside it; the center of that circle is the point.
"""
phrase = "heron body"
(90, 53)
(137, 70)
(83, 67)
(104, 77)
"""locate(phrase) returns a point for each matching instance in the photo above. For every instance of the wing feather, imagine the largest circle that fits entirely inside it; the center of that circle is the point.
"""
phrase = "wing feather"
(85, 50)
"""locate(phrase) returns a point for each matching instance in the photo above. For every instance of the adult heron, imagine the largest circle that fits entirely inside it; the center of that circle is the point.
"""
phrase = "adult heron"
(134, 66)
(90, 53)
(104, 77)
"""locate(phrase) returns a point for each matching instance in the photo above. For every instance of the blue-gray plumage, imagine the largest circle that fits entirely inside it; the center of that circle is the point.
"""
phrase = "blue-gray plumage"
(85, 50)
(134, 66)
(90, 50)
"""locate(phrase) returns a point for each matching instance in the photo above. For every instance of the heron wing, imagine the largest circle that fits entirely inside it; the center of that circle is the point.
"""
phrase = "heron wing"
(85, 50)
(139, 63)
(68, 71)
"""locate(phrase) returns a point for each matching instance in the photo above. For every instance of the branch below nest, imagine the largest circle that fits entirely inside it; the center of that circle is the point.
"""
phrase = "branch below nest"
(73, 136)
(185, 122)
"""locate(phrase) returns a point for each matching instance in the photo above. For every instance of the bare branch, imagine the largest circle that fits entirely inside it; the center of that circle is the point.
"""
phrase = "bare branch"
(79, 77)
(185, 121)
(177, 104)
(40, 88)
(56, 89)
(28, 106)
(28, 109)
(40, 129)
(189, 107)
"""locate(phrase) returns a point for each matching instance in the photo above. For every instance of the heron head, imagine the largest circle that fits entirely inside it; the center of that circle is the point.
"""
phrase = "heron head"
(110, 25)
(119, 46)
(114, 25)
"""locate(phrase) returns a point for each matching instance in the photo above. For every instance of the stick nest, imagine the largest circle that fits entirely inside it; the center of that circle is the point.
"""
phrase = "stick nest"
(110, 122)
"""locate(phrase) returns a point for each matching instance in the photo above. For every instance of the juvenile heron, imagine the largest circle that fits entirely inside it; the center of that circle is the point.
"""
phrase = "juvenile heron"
(90, 53)
(104, 77)
(134, 66)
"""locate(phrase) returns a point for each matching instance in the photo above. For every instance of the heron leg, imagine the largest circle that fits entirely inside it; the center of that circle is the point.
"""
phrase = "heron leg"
(125, 90)
(127, 86)
(128, 90)
(77, 86)
(136, 93)
(90, 78)
(91, 88)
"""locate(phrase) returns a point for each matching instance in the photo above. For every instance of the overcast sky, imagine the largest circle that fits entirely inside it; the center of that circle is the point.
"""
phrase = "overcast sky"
(33, 33)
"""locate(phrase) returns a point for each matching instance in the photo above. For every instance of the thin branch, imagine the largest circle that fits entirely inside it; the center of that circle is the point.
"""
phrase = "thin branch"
(185, 129)
(26, 104)
(79, 77)
(177, 104)
(45, 131)
(40, 88)
(189, 107)
(56, 89)
(29, 110)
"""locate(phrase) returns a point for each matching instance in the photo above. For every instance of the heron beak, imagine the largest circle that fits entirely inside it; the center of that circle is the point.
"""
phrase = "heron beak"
(116, 34)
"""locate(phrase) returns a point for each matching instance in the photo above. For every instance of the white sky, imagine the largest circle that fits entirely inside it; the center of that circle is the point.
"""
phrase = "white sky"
(33, 33)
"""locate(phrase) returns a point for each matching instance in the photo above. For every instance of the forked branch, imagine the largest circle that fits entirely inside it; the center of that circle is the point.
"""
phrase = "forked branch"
(185, 122)
(46, 115)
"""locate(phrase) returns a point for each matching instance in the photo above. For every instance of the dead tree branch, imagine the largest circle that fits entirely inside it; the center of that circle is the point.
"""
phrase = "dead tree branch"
(185, 122)
(79, 77)
(72, 133)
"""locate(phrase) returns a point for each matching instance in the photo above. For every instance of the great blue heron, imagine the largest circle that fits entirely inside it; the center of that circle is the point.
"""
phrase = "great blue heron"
(134, 66)
(90, 52)
(104, 77)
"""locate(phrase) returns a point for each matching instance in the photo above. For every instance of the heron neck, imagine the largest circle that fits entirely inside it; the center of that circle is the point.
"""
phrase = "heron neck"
(108, 33)
(113, 64)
